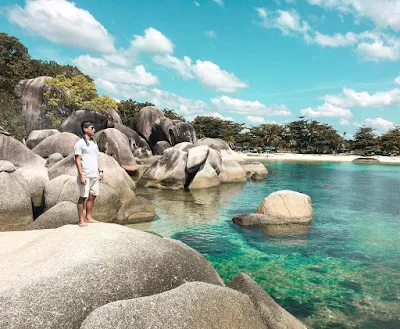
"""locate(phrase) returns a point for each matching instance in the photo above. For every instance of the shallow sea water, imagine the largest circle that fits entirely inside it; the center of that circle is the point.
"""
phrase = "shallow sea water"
(343, 271)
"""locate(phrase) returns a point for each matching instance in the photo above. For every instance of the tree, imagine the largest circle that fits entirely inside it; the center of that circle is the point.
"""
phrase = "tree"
(173, 115)
(11, 118)
(267, 135)
(128, 111)
(390, 141)
(103, 104)
(364, 140)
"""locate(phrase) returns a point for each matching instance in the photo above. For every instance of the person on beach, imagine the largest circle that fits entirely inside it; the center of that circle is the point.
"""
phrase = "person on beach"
(89, 172)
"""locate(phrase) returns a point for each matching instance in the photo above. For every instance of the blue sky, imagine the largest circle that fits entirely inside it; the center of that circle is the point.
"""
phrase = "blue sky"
(254, 61)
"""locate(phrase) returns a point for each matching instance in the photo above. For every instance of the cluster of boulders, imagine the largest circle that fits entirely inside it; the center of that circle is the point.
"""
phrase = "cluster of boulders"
(110, 276)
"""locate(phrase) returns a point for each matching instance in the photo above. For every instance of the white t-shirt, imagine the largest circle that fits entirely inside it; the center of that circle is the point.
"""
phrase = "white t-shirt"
(89, 154)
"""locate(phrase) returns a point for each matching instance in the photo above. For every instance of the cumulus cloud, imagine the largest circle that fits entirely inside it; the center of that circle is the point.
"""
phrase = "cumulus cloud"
(244, 107)
(344, 122)
(336, 40)
(327, 110)
(100, 69)
(379, 124)
(397, 80)
(210, 34)
(152, 42)
(207, 72)
(254, 119)
(61, 22)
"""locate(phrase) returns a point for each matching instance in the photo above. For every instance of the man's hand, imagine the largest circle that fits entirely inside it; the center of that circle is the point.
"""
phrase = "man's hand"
(101, 176)
(83, 180)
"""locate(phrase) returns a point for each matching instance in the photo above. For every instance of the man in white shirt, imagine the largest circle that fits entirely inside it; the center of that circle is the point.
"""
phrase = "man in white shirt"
(89, 172)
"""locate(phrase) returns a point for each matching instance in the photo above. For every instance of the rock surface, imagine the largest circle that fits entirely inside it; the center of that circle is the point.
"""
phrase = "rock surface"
(136, 210)
(62, 143)
(18, 154)
(146, 118)
(255, 170)
(205, 177)
(53, 159)
(6, 166)
(36, 179)
(231, 172)
(273, 315)
(197, 156)
(4, 132)
(249, 220)
(160, 147)
(193, 305)
(116, 144)
(36, 136)
(70, 271)
(15, 203)
(287, 207)
(136, 142)
(366, 160)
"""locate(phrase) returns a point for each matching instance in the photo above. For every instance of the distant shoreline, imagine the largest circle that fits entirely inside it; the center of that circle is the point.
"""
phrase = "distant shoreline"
(316, 157)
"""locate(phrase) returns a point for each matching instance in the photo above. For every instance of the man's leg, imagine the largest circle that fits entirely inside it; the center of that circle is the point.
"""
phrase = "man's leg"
(81, 205)
(89, 207)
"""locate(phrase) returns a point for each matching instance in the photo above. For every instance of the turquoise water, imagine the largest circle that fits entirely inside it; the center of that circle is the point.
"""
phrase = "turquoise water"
(341, 272)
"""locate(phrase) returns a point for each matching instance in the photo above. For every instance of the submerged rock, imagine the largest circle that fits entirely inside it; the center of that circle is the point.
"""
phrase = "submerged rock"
(194, 305)
(71, 271)
(255, 170)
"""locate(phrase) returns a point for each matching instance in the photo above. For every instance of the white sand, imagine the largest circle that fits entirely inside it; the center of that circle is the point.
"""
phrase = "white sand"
(315, 157)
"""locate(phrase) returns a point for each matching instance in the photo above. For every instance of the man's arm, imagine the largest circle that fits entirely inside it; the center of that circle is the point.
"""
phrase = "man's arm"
(78, 163)
(100, 170)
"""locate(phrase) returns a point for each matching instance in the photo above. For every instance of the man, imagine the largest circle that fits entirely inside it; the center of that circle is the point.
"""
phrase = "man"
(89, 172)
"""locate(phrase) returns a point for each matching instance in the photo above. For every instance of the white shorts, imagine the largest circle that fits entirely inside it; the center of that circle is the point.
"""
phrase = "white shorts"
(92, 187)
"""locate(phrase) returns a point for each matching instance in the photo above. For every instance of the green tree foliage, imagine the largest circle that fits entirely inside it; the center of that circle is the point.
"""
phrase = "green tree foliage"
(11, 118)
(390, 142)
(266, 135)
(365, 140)
(206, 126)
(103, 104)
(173, 115)
(128, 111)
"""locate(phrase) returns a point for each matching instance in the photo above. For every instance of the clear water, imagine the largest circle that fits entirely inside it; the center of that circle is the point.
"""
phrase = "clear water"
(341, 272)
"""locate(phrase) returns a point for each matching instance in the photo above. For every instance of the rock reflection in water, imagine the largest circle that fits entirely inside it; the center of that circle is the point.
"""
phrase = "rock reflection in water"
(186, 208)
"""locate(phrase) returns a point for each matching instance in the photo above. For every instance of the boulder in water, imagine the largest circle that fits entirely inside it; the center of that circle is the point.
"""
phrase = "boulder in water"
(62, 143)
(36, 136)
(255, 170)
(205, 177)
(70, 271)
(231, 172)
(136, 210)
(197, 156)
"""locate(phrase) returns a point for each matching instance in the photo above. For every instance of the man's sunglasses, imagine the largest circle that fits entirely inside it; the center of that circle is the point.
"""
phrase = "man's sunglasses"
(91, 128)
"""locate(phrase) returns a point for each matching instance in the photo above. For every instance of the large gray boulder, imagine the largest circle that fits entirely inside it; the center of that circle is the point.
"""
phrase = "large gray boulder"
(193, 305)
(36, 136)
(185, 133)
(163, 129)
(169, 172)
(160, 147)
(70, 271)
(273, 315)
(138, 144)
(183, 146)
(215, 160)
(146, 118)
(205, 177)
(15, 204)
(222, 147)
(53, 159)
(197, 156)
(7, 166)
(62, 143)
(36, 179)
(116, 144)
(255, 170)
(18, 154)
(63, 213)
(287, 207)
(30, 93)
(231, 172)
(4, 132)
(100, 120)
(136, 210)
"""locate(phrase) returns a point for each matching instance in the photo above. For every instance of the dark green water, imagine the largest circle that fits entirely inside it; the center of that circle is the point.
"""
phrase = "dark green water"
(341, 272)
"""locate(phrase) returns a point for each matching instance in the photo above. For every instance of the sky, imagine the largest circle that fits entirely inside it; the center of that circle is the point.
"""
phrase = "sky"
(253, 61)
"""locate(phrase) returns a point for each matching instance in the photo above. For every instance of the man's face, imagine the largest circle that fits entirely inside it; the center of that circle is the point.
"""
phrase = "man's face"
(90, 130)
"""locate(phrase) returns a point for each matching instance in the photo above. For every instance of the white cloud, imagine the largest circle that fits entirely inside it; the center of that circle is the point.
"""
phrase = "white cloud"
(384, 13)
(397, 80)
(344, 122)
(327, 110)
(208, 73)
(353, 99)
(99, 68)
(61, 22)
(219, 2)
(254, 119)
(254, 108)
(210, 34)
(196, 3)
(379, 124)
(153, 42)
(336, 40)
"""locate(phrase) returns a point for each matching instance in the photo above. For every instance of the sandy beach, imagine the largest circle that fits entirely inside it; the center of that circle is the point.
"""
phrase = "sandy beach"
(316, 157)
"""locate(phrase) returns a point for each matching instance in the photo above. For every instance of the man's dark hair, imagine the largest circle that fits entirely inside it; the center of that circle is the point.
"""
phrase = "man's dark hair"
(85, 124)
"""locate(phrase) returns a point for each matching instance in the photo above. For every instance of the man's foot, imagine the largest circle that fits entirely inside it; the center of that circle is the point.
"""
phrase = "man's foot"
(91, 220)
(82, 224)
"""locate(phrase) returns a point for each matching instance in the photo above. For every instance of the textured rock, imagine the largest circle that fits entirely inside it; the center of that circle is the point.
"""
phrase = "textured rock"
(62, 143)
(160, 147)
(70, 271)
(30, 92)
(215, 160)
(146, 118)
(220, 146)
(255, 170)
(4, 132)
(249, 220)
(6, 166)
(196, 157)
(193, 305)
(36, 136)
(287, 207)
(231, 172)
(17, 153)
(100, 120)
(15, 203)
(36, 179)
(136, 142)
(183, 146)
(185, 133)
(136, 210)
(273, 315)
(205, 177)
(168, 172)
(63, 213)
(116, 144)
(163, 129)
(53, 159)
